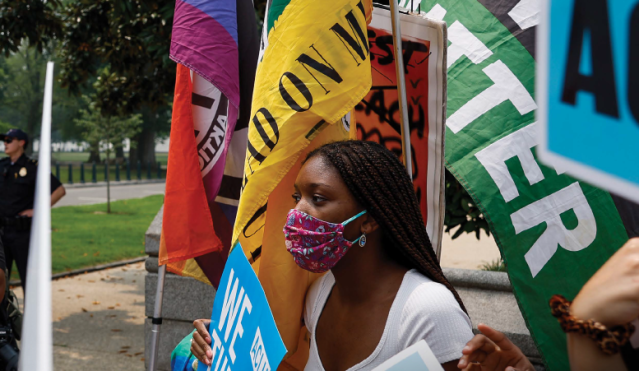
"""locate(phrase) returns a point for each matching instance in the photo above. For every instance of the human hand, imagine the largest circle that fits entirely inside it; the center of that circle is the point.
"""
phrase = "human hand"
(28, 212)
(611, 296)
(494, 351)
(200, 346)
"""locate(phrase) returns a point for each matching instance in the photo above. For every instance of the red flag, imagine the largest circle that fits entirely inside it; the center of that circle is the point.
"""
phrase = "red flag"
(187, 226)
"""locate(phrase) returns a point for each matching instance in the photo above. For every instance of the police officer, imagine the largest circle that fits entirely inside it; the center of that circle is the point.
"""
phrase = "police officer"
(17, 192)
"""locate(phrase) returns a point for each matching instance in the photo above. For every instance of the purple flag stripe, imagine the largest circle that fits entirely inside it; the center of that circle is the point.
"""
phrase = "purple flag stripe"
(223, 11)
(205, 46)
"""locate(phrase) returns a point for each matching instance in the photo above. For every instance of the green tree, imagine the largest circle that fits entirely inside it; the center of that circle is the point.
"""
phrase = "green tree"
(37, 22)
(21, 92)
(4, 127)
(132, 38)
(109, 130)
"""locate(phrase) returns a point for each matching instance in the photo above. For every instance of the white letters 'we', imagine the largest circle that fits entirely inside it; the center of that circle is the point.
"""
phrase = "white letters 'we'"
(230, 308)
(549, 209)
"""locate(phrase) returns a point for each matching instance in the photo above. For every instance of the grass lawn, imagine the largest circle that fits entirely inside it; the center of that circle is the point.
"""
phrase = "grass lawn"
(84, 236)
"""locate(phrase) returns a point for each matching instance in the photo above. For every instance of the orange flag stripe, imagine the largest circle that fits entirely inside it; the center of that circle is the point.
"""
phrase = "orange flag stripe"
(187, 227)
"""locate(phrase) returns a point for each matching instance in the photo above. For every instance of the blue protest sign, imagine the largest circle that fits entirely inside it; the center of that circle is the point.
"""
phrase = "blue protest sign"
(588, 91)
(243, 332)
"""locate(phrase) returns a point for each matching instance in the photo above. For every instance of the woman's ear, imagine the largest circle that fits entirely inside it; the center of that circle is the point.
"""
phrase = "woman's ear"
(369, 225)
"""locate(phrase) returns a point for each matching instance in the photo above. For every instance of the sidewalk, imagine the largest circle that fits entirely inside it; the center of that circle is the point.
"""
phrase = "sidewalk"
(98, 320)
(466, 252)
(95, 195)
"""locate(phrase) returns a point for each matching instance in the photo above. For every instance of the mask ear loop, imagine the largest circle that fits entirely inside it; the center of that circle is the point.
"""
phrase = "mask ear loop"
(353, 218)
(361, 239)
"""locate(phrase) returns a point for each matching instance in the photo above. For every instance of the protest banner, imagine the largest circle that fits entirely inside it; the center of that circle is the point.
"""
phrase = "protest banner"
(313, 72)
(243, 332)
(553, 231)
(589, 99)
(377, 115)
(241, 309)
(205, 171)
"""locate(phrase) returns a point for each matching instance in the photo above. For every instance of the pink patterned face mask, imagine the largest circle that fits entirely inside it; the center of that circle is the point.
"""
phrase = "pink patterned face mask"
(317, 245)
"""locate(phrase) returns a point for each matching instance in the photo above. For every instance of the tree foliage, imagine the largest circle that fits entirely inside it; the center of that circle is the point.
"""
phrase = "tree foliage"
(461, 210)
(109, 130)
(36, 21)
(21, 92)
(133, 39)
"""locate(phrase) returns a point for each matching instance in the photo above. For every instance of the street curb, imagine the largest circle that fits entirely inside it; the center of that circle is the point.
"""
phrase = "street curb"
(113, 183)
(96, 268)
(478, 279)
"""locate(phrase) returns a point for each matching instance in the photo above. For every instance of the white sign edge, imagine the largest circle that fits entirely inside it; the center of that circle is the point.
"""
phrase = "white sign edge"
(582, 172)
(422, 349)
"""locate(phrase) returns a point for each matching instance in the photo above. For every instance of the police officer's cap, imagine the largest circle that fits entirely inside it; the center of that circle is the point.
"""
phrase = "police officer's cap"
(17, 134)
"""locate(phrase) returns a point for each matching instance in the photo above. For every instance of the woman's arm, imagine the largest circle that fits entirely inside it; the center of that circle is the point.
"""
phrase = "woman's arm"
(610, 297)
(585, 356)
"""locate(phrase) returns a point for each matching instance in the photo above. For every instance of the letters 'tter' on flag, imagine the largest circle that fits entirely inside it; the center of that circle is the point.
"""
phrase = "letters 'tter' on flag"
(553, 231)
(208, 140)
(315, 69)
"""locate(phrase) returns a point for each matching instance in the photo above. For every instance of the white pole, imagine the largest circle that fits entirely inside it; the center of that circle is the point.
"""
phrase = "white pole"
(156, 321)
(407, 156)
(37, 337)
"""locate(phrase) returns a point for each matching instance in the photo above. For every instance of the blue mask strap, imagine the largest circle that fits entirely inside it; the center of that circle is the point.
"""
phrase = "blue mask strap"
(353, 218)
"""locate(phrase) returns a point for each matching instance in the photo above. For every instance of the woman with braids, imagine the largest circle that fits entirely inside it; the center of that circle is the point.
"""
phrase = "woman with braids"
(357, 218)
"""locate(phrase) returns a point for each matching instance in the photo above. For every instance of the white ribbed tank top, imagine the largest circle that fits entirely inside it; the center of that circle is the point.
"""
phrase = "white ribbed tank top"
(422, 309)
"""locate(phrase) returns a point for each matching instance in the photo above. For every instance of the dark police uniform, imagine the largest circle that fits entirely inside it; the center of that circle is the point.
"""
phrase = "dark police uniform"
(17, 193)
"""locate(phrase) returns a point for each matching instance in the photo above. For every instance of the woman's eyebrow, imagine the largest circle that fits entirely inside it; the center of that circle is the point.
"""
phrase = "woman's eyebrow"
(312, 185)
(316, 185)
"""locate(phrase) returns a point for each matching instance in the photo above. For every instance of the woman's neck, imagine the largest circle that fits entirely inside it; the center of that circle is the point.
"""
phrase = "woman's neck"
(367, 275)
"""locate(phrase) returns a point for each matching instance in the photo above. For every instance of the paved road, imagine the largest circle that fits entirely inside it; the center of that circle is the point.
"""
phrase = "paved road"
(96, 195)
(98, 320)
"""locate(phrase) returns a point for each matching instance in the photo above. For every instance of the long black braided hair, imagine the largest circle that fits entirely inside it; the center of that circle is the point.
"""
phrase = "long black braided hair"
(380, 183)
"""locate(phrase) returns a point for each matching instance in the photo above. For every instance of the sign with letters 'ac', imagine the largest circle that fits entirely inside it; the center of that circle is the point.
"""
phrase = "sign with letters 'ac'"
(243, 331)
(588, 91)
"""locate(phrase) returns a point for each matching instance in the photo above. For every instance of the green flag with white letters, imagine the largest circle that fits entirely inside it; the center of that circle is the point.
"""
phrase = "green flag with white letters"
(553, 231)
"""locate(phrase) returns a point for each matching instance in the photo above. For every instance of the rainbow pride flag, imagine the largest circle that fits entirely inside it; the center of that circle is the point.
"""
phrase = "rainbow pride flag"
(208, 142)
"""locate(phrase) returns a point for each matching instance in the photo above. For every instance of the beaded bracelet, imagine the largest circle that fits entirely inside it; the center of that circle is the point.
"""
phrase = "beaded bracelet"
(608, 340)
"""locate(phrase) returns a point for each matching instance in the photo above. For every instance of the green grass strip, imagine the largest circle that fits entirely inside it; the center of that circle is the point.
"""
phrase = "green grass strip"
(84, 236)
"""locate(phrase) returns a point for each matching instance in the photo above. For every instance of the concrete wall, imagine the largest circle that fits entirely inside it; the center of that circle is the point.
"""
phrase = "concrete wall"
(487, 295)
(185, 299)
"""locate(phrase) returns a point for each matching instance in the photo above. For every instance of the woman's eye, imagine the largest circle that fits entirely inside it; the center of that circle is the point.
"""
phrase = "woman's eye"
(296, 197)
(317, 198)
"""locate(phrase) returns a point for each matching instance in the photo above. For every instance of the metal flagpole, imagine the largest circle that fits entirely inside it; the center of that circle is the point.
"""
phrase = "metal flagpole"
(401, 86)
(37, 336)
(156, 321)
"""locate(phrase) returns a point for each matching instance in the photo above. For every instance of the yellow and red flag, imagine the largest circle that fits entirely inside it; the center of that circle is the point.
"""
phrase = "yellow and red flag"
(312, 74)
